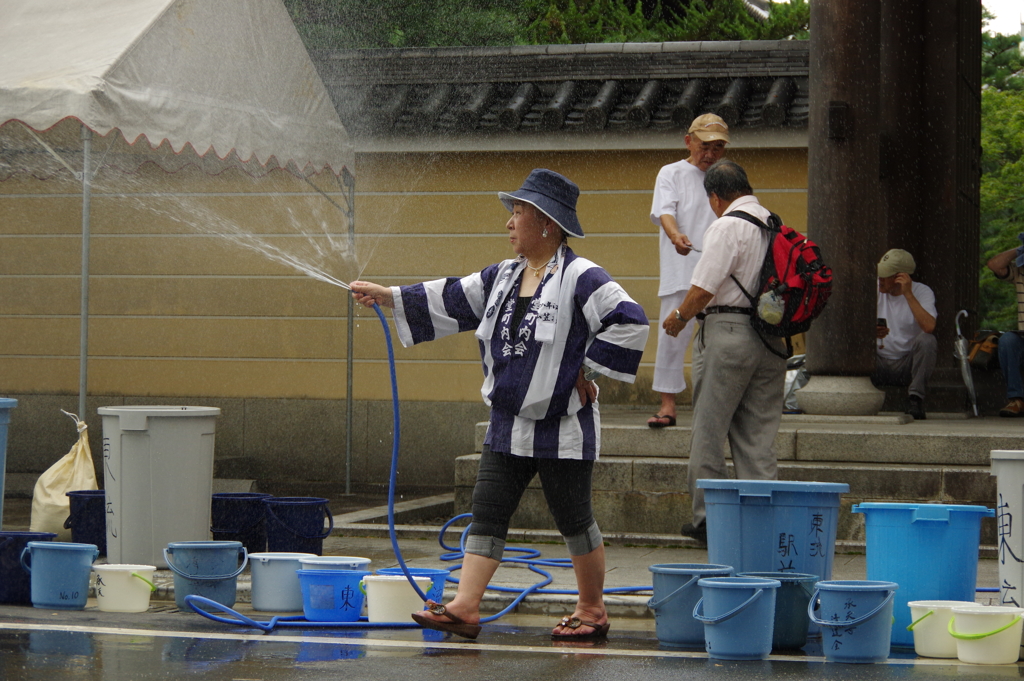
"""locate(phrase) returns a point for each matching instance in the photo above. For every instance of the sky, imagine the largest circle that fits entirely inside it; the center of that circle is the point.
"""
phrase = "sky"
(1008, 15)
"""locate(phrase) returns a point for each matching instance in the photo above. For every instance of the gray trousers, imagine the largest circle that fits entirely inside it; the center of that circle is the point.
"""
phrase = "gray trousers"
(737, 394)
(913, 369)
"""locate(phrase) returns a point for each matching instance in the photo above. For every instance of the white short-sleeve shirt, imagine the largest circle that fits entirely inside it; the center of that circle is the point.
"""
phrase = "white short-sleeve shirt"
(733, 247)
(679, 192)
(898, 316)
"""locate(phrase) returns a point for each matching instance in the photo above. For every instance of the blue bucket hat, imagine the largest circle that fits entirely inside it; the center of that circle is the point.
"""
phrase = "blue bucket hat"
(553, 194)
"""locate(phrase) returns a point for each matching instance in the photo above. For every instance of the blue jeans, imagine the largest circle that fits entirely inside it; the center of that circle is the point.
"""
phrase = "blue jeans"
(1011, 354)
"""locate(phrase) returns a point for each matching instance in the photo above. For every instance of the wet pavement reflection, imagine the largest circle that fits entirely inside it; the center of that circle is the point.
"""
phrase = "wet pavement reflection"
(41, 644)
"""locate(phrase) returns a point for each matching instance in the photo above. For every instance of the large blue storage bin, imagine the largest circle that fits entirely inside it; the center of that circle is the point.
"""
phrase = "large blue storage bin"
(930, 550)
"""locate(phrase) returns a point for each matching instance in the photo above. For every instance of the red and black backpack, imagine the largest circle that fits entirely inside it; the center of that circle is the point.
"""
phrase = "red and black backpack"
(794, 270)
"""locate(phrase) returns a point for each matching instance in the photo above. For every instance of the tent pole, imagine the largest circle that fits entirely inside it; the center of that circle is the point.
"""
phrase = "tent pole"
(350, 187)
(84, 333)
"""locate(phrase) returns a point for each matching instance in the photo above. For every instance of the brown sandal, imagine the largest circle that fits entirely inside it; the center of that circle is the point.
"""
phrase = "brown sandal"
(599, 630)
(455, 626)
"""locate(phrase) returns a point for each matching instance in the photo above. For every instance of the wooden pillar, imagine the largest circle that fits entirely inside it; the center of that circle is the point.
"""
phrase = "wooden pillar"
(843, 207)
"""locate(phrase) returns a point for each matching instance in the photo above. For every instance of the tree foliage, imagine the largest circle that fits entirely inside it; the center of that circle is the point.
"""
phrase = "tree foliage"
(1002, 171)
(340, 24)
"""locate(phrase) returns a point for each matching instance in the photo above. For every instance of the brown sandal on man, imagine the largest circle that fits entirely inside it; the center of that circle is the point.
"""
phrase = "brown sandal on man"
(656, 421)
(599, 630)
(455, 625)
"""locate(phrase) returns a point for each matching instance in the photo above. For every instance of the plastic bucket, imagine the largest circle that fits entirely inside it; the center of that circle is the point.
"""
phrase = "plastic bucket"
(986, 634)
(6, 404)
(240, 516)
(855, 619)
(675, 594)
(124, 588)
(275, 584)
(738, 615)
(930, 627)
(791, 599)
(773, 525)
(60, 573)
(437, 579)
(296, 524)
(907, 542)
(391, 598)
(158, 478)
(334, 563)
(332, 595)
(87, 518)
(15, 582)
(205, 568)
(1008, 467)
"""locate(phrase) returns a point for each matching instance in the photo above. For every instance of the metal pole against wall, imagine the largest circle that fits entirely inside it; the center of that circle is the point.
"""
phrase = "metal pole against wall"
(83, 370)
(350, 187)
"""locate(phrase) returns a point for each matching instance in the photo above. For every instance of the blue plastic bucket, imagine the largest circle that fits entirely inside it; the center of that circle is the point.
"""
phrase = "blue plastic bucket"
(437, 580)
(15, 582)
(87, 518)
(791, 599)
(6, 405)
(275, 582)
(332, 595)
(675, 594)
(772, 525)
(240, 516)
(296, 524)
(855, 619)
(205, 568)
(60, 573)
(930, 550)
(738, 615)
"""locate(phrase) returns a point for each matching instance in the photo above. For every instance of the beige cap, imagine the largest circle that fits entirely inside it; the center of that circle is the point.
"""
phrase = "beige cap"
(709, 127)
(895, 261)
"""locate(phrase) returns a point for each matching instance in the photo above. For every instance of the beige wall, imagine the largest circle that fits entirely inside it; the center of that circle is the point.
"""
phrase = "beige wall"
(179, 312)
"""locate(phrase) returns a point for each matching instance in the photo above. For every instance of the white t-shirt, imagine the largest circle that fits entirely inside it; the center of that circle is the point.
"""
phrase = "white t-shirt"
(679, 192)
(895, 310)
(733, 246)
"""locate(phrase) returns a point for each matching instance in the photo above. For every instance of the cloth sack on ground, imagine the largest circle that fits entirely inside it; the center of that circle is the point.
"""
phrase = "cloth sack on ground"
(72, 473)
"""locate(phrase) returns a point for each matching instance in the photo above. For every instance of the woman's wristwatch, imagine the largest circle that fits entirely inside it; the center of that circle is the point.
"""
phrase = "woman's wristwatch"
(590, 374)
(679, 316)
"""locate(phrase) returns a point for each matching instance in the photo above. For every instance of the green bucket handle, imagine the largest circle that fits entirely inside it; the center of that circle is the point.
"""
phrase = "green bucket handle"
(362, 586)
(152, 586)
(975, 637)
(910, 627)
(700, 617)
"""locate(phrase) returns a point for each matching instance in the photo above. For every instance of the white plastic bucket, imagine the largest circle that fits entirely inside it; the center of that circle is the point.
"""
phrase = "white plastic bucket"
(929, 621)
(275, 581)
(334, 563)
(124, 588)
(390, 598)
(987, 634)
(1008, 467)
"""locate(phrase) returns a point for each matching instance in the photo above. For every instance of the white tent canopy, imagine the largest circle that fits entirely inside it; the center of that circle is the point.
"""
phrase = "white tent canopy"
(230, 77)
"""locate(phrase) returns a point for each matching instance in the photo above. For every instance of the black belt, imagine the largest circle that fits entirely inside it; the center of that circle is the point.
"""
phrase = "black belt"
(720, 309)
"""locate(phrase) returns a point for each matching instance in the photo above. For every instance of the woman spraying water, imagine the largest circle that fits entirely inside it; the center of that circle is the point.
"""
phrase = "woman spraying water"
(548, 323)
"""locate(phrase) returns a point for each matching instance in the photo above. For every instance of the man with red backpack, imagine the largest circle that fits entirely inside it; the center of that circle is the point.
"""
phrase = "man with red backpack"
(738, 372)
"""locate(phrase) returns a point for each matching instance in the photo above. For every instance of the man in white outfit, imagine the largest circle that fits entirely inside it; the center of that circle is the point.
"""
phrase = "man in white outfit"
(680, 207)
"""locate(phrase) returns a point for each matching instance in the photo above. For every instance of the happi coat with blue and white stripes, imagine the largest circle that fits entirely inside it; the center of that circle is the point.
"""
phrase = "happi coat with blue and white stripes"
(577, 316)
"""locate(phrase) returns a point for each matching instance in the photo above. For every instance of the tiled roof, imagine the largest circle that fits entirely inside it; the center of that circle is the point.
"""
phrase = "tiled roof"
(559, 88)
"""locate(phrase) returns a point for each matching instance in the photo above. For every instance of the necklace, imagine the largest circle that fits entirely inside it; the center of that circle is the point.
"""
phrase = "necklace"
(536, 270)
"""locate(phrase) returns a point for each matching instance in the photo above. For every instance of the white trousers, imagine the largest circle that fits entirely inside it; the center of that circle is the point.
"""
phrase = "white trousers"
(668, 363)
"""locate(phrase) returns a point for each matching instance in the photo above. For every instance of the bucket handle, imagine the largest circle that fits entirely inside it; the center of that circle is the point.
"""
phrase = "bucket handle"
(67, 523)
(700, 617)
(28, 566)
(654, 605)
(850, 623)
(975, 637)
(362, 586)
(330, 528)
(207, 578)
(910, 627)
(152, 586)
